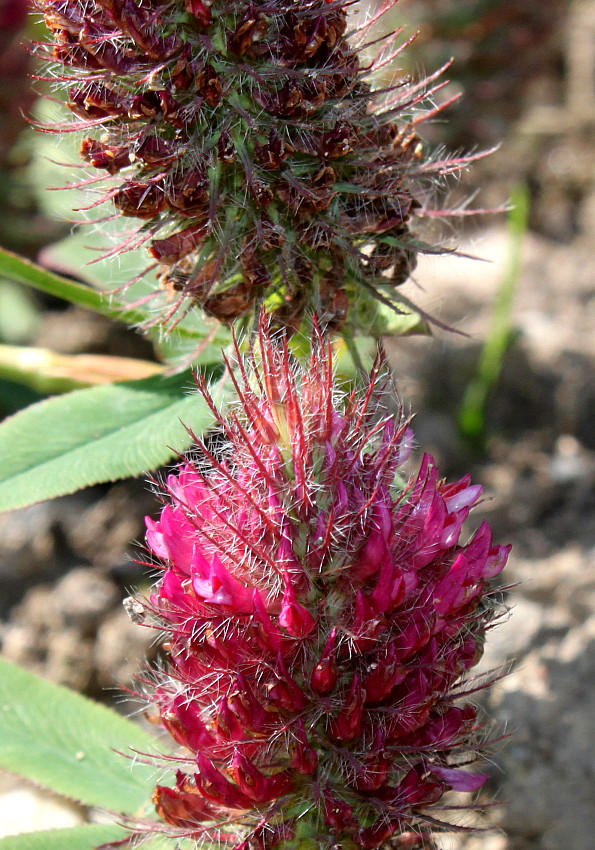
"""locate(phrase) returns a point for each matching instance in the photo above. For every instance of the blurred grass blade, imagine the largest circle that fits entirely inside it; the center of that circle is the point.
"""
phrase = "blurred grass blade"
(472, 412)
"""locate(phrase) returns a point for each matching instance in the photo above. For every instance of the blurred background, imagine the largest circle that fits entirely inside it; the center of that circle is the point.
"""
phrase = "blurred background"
(513, 401)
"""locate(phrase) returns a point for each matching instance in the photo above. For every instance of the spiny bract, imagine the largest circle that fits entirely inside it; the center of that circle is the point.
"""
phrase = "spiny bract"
(320, 615)
(249, 140)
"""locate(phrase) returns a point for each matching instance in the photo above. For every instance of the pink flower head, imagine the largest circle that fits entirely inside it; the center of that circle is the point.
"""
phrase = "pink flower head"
(320, 613)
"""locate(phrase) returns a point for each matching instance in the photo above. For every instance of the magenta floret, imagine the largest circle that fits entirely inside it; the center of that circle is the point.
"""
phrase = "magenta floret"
(320, 611)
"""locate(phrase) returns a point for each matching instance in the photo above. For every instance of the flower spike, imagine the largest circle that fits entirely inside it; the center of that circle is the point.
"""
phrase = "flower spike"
(319, 625)
(264, 157)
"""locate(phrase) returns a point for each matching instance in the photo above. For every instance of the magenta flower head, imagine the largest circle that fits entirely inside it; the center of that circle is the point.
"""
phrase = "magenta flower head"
(321, 613)
(256, 142)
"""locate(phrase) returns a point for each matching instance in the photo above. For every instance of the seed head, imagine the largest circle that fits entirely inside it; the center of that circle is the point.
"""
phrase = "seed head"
(321, 613)
(250, 141)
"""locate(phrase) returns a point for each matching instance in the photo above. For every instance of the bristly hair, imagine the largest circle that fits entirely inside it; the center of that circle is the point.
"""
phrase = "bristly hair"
(261, 154)
(322, 617)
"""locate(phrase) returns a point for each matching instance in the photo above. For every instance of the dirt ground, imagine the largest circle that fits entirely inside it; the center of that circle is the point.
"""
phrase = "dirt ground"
(66, 565)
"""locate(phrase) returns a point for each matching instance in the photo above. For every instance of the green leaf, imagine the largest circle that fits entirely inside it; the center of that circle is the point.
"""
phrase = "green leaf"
(78, 253)
(85, 837)
(182, 342)
(67, 743)
(15, 268)
(95, 435)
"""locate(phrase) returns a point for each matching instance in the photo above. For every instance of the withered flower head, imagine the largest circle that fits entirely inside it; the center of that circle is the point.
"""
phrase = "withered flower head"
(321, 616)
(249, 141)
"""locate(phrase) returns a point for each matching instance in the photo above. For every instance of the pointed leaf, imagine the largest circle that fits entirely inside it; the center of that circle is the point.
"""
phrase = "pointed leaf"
(95, 435)
(13, 267)
(67, 743)
(189, 331)
(85, 837)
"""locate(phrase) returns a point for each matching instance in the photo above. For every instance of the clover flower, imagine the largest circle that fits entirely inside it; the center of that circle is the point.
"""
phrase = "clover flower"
(321, 615)
(253, 145)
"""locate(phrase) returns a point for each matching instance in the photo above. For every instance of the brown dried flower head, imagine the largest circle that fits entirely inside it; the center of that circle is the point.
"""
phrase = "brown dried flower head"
(248, 140)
